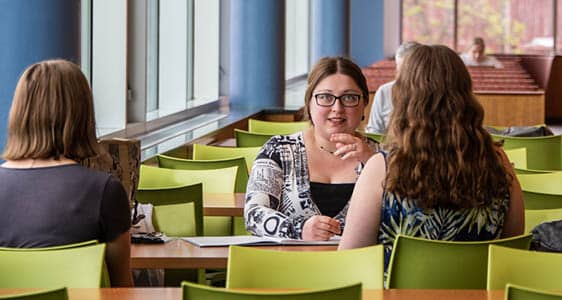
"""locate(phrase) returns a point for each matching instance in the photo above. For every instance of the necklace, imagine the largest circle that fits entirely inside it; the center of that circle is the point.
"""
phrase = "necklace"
(324, 149)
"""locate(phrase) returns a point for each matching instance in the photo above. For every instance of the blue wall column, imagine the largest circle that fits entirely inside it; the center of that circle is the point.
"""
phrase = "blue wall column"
(31, 31)
(367, 31)
(330, 28)
(257, 53)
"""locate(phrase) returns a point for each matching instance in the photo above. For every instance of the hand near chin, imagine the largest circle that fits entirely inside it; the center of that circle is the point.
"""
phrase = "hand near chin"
(351, 146)
(320, 228)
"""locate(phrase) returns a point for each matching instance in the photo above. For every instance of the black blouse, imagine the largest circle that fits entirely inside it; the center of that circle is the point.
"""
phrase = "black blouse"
(331, 198)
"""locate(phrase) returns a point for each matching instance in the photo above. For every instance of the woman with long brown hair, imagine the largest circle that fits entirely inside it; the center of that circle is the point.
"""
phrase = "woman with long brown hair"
(441, 176)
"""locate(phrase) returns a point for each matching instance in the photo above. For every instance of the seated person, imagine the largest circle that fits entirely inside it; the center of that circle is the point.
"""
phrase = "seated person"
(300, 184)
(441, 176)
(49, 198)
(476, 57)
(382, 103)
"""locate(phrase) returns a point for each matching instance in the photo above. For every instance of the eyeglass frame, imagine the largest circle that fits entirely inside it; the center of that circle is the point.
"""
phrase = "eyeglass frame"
(337, 98)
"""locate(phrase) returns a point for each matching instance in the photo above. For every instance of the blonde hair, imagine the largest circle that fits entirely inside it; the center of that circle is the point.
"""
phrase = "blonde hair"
(52, 114)
(439, 153)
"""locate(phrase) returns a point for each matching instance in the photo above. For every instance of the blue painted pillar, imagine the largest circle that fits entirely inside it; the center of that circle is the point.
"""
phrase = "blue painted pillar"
(330, 28)
(257, 53)
(31, 31)
(367, 31)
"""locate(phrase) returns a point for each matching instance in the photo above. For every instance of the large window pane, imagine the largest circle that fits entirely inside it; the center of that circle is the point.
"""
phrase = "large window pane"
(507, 26)
(559, 27)
(174, 59)
(428, 21)
(296, 38)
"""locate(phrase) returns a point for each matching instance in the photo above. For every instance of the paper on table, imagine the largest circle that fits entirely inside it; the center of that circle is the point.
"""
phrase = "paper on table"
(218, 241)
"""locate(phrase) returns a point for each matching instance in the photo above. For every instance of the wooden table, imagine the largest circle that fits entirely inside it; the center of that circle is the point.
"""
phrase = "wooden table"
(179, 254)
(176, 294)
(223, 204)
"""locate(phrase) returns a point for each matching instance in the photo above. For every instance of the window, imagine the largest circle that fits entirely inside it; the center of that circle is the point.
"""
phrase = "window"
(428, 21)
(296, 38)
(507, 26)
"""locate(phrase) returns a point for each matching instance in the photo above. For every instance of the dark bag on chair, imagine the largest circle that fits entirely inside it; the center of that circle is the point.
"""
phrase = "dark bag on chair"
(547, 237)
(521, 131)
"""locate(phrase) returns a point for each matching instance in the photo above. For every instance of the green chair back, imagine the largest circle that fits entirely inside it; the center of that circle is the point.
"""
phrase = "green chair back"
(196, 291)
(214, 181)
(379, 137)
(105, 275)
(515, 292)
(177, 211)
(518, 157)
(206, 152)
(189, 164)
(56, 294)
(275, 128)
(543, 153)
(250, 139)
(541, 270)
(258, 268)
(418, 263)
(80, 267)
(534, 217)
(541, 191)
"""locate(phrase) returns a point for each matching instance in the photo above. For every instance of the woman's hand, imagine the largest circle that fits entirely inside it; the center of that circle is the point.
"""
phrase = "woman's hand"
(351, 146)
(320, 228)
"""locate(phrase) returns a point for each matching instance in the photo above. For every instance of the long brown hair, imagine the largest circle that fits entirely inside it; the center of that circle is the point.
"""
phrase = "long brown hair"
(439, 153)
(327, 66)
(52, 114)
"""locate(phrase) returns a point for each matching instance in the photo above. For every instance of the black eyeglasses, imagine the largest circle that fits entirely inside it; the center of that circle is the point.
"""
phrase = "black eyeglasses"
(347, 100)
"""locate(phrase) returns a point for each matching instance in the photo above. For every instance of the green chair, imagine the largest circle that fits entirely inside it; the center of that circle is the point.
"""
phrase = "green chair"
(216, 180)
(541, 270)
(189, 164)
(239, 227)
(196, 291)
(105, 275)
(275, 128)
(517, 157)
(206, 152)
(379, 137)
(534, 217)
(541, 191)
(80, 267)
(515, 292)
(177, 210)
(418, 263)
(543, 153)
(250, 139)
(56, 294)
(177, 215)
(258, 268)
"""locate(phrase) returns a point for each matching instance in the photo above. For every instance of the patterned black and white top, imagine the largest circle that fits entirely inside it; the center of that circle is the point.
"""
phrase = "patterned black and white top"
(278, 196)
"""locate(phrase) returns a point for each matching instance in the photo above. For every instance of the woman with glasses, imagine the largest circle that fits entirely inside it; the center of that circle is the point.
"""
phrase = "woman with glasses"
(300, 184)
(440, 176)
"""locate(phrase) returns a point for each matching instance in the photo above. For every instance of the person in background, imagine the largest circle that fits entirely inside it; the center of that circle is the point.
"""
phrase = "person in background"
(441, 176)
(300, 184)
(382, 103)
(476, 56)
(48, 198)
